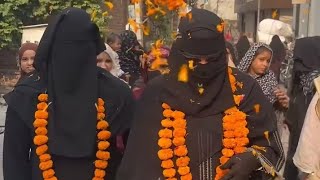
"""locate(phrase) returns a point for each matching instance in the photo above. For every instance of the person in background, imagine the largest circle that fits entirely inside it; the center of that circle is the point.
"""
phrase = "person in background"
(307, 155)
(113, 46)
(27, 53)
(231, 55)
(279, 55)
(104, 61)
(306, 68)
(130, 56)
(242, 46)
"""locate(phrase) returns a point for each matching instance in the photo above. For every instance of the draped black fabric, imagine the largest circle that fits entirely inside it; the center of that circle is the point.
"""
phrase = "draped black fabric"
(306, 61)
(242, 46)
(279, 54)
(204, 112)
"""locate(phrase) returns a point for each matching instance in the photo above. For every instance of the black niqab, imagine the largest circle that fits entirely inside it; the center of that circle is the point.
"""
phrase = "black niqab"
(242, 46)
(279, 54)
(66, 60)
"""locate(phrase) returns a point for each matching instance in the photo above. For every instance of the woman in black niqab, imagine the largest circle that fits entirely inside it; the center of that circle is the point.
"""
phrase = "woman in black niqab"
(200, 41)
(306, 68)
(279, 54)
(242, 46)
(67, 72)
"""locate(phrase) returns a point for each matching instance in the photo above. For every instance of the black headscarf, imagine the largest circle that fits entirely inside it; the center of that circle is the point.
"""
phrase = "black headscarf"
(242, 46)
(233, 53)
(66, 60)
(279, 54)
(129, 58)
(198, 38)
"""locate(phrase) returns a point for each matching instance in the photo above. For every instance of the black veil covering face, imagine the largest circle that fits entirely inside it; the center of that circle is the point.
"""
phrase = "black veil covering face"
(66, 70)
(198, 38)
(66, 60)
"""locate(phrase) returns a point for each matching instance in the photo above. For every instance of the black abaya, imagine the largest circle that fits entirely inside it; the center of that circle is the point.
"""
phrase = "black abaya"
(18, 139)
(204, 131)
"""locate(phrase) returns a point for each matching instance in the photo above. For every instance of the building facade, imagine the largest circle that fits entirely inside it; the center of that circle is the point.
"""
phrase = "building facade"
(248, 11)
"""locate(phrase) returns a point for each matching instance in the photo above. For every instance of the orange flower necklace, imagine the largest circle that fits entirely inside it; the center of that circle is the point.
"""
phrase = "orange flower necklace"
(173, 134)
(235, 133)
(41, 139)
(174, 126)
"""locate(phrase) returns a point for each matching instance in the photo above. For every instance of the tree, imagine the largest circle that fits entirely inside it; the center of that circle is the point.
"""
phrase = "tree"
(16, 13)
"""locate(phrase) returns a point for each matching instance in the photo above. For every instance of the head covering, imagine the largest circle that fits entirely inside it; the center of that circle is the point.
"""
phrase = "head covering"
(116, 69)
(242, 46)
(200, 32)
(129, 58)
(66, 60)
(306, 66)
(268, 81)
(27, 46)
(279, 54)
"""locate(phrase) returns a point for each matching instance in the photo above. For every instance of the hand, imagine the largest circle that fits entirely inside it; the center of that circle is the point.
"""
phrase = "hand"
(282, 97)
(241, 166)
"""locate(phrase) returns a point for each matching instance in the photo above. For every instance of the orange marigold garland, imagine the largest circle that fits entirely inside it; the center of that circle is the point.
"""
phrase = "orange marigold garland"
(235, 133)
(41, 139)
(173, 134)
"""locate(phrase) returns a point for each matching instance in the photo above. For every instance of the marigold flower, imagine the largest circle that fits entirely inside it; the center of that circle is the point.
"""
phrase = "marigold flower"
(169, 173)
(97, 178)
(184, 170)
(239, 150)
(99, 173)
(241, 132)
(229, 143)
(44, 157)
(242, 141)
(40, 123)
(223, 160)
(241, 124)
(43, 97)
(41, 114)
(229, 119)
(183, 75)
(48, 174)
(228, 126)
(183, 161)
(103, 155)
(256, 108)
(165, 106)
(100, 102)
(179, 141)
(179, 123)
(103, 145)
(179, 132)
(227, 152)
(41, 131)
(164, 143)
(167, 113)
(165, 154)
(238, 99)
(101, 164)
(40, 140)
(101, 116)
(165, 133)
(186, 177)
(101, 109)
(220, 28)
(231, 110)
(171, 179)
(178, 115)
(167, 164)
(52, 178)
(46, 165)
(42, 106)
(181, 151)
(104, 135)
(167, 123)
(41, 149)
(102, 125)
(228, 134)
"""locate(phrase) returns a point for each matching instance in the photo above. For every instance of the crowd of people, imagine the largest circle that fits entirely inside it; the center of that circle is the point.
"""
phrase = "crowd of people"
(88, 109)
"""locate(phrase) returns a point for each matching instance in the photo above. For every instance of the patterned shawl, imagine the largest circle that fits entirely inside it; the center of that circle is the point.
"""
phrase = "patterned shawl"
(268, 81)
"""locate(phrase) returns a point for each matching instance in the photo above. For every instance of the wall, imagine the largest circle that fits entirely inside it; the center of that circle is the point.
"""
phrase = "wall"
(314, 25)
(224, 8)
